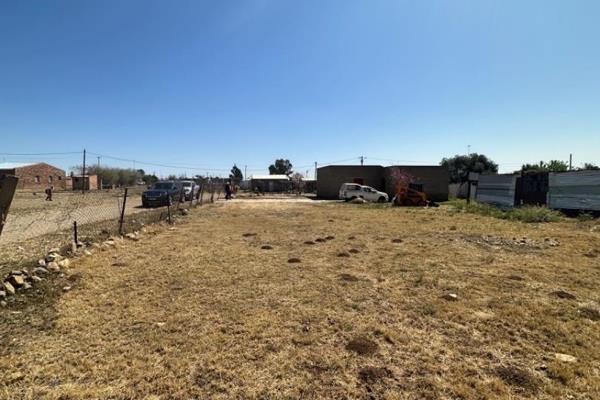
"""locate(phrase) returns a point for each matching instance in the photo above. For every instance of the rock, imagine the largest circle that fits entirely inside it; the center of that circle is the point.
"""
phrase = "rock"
(450, 297)
(54, 250)
(109, 243)
(294, 260)
(66, 288)
(16, 280)
(25, 272)
(36, 279)
(41, 262)
(267, 247)
(132, 236)
(53, 257)
(8, 288)
(16, 272)
(52, 266)
(40, 271)
(87, 252)
(3, 303)
(26, 286)
(64, 263)
(2, 294)
(565, 358)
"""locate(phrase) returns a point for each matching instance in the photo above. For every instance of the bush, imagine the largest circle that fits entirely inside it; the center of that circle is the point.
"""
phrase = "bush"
(523, 214)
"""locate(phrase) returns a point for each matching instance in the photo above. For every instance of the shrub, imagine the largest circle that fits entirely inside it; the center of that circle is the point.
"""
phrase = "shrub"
(523, 214)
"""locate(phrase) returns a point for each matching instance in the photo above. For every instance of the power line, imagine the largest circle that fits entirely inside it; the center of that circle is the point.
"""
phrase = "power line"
(40, 154)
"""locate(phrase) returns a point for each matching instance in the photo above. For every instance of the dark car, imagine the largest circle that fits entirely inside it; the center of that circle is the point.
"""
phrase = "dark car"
(162, 193)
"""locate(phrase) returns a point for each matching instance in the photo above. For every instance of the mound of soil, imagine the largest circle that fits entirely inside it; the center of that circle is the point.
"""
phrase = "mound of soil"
(362, 345)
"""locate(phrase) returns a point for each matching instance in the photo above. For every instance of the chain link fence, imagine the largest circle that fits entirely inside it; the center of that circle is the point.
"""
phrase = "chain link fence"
(35, 224)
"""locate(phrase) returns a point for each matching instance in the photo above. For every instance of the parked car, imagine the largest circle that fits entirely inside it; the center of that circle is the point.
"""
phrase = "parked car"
(191, 190)
(162, 193)
(350, 191)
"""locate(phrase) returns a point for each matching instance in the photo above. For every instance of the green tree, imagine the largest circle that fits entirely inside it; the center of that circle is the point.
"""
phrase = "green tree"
(459, 166)
(551, 166)
(590, 167)
(236, 174)
(281, 167)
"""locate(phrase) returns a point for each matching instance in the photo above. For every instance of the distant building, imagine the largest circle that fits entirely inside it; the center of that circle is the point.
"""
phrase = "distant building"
(35, 176)
(433, 180)
(87, 182)
(270, 183)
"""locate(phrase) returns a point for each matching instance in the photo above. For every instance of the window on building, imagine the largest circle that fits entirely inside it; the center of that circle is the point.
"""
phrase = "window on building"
(37, 179)
(60, 178)
(49, 179)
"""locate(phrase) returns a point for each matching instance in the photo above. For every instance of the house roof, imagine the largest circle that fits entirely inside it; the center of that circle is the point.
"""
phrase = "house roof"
(271, 177)
(13, 165)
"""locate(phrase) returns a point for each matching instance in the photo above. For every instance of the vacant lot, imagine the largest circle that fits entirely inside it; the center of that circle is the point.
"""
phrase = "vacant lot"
(283, 299)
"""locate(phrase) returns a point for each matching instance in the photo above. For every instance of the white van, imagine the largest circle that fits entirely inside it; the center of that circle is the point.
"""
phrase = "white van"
(349, 191)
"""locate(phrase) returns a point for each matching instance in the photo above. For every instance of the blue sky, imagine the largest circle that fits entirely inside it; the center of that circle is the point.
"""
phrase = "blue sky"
(207, 84)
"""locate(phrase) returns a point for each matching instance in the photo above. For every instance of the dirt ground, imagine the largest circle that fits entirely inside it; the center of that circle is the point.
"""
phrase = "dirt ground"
(291, 299)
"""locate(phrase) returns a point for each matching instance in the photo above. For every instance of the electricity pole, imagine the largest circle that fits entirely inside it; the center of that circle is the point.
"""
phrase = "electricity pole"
(315, 170)
(570, 161)
(245, 172)
(98, 162)
(362, 160)
(83, 174)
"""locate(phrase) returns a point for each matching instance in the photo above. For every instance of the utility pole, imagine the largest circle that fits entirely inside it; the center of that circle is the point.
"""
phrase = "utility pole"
(245, 172)
(98, 162)
(315, 170)
(362, 160)
(83, 174)
(570, 161)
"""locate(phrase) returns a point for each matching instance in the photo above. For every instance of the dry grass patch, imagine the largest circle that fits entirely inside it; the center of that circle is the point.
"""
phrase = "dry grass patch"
(202, 311)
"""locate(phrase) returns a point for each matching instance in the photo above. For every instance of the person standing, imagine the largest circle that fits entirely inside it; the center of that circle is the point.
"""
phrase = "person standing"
(49, 193)
(228, 190)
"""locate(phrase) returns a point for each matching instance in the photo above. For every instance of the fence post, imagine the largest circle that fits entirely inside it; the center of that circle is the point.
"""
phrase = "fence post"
(169, 211)
(201, 193)
(122, 213)
(75, 239)
(179, 199)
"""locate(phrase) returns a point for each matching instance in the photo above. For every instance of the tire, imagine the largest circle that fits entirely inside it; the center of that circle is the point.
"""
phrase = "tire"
(381, 199)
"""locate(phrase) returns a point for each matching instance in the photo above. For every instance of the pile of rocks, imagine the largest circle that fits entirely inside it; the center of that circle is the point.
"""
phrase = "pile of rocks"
(24, 279)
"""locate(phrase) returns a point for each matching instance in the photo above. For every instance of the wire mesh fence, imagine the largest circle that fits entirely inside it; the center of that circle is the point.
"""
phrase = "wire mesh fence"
(34, 223)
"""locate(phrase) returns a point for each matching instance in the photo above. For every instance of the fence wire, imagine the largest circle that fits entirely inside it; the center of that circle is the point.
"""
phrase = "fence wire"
(34, 224)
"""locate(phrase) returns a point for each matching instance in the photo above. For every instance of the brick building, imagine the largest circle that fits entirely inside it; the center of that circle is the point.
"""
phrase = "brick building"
(431, 179)
(35, 176)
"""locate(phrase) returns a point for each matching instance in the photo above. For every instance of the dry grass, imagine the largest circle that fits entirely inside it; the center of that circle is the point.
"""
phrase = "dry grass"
(204, 311)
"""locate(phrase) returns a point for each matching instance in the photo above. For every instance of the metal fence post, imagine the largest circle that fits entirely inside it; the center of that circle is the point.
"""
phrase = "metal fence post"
(180, 197)
(169, 211)
(75, 239)
(122, 213)
(201, 193)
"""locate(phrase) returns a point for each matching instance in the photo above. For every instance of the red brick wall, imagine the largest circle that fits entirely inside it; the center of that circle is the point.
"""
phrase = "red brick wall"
(40, 176)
